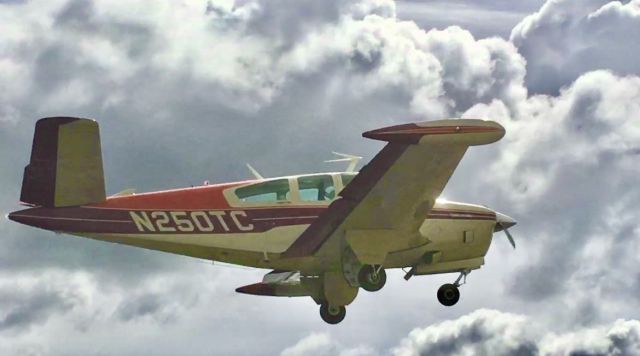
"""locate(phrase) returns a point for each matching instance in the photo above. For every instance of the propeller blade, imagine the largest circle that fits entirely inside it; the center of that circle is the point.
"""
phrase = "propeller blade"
(346, 155)
(511, 240)
(353, 160)
(254, 172)
(504, 222)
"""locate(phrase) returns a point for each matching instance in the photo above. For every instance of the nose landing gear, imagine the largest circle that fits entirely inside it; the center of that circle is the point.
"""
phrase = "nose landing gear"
(449, 294)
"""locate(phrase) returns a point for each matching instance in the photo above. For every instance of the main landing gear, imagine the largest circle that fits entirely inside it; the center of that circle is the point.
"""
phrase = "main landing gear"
(332, 314)
(372, 278)
(449, 294)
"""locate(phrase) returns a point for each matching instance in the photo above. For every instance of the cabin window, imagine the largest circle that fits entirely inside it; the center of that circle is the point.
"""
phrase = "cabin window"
(316, 188)
(347, 178)
(272, 191)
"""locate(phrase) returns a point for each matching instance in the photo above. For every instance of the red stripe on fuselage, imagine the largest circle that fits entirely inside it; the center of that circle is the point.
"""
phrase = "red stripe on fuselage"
(96, 220)
(174, 221)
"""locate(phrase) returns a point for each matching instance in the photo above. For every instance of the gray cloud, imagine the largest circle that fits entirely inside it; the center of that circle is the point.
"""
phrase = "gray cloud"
(323, 344)
(569, 187)
(520, 6)
(26, 303)
(163, 306)
(483, 18)
(147, 304)
(567, 38)
(34, 308)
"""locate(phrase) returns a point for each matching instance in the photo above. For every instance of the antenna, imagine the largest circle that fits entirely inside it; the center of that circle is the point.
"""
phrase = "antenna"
(353, 160)
(254, 172)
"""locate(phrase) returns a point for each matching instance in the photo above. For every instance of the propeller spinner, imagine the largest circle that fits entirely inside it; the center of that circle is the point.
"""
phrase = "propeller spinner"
(503, 223)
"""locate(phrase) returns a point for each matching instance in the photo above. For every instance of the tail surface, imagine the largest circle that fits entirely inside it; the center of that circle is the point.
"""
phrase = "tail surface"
(66, 164)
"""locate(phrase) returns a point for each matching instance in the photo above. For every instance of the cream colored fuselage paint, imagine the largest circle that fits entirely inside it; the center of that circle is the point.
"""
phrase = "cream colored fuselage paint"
(462, 240)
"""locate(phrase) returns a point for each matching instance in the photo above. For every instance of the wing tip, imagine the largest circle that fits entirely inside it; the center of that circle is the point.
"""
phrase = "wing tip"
(468, 131)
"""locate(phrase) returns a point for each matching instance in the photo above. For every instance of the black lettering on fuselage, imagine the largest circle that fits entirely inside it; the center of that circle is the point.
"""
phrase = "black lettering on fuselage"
(184, 224)
(162, 219)
(220, 215)
(202, 221)
(194, 221)
(142, 221)
(239, 225)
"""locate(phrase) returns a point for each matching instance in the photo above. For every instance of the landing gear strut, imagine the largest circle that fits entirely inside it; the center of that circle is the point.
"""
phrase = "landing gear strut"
(449, 294)
(332, 314)
(372, 278)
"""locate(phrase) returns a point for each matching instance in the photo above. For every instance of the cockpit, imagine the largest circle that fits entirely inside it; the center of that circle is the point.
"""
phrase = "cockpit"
(307, 189)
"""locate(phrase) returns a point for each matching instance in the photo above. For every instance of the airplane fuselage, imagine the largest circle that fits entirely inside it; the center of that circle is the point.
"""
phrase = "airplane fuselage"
(210, 222)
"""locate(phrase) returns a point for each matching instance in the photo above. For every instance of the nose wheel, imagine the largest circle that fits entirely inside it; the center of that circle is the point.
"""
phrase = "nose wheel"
(449, 294)
(332, 314)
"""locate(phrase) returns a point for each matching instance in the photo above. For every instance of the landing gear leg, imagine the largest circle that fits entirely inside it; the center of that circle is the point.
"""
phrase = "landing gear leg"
(449, 294)
(332, 314)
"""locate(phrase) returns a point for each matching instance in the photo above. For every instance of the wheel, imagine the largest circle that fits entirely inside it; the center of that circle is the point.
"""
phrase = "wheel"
(448, 294)
(370, 280)
(332, 314)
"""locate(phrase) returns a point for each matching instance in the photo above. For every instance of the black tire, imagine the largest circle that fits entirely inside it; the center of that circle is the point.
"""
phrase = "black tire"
(371, 281)
(448, 294)
(332, 316)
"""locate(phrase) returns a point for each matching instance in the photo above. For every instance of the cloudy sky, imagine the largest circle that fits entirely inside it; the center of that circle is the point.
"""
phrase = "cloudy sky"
(187, 91)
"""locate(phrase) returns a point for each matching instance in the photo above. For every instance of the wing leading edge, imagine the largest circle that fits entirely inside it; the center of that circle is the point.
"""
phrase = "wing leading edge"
(394, 192)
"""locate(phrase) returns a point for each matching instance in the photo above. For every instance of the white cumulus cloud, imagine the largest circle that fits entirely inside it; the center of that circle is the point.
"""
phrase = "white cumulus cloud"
(566, 38)
(490, 332)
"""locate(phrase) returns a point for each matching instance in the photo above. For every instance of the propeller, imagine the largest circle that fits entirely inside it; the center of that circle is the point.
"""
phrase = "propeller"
(254, 172)
(510, 237)
(503, 223)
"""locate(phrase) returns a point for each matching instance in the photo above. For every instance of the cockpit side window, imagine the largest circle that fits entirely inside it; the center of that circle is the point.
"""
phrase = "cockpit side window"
(272, 191)
(347, 178)
(316, 188)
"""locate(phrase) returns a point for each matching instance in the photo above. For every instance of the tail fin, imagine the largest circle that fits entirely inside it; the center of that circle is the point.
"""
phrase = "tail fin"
(66, 164)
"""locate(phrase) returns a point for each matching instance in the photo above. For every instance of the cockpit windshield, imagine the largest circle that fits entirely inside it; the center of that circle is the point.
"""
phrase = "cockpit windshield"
(316, 188)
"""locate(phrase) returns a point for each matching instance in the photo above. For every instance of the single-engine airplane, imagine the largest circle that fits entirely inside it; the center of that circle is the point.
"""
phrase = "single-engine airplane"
(323, 235)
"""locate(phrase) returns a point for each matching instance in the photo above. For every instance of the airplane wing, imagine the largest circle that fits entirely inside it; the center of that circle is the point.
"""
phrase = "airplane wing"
(394, 192)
